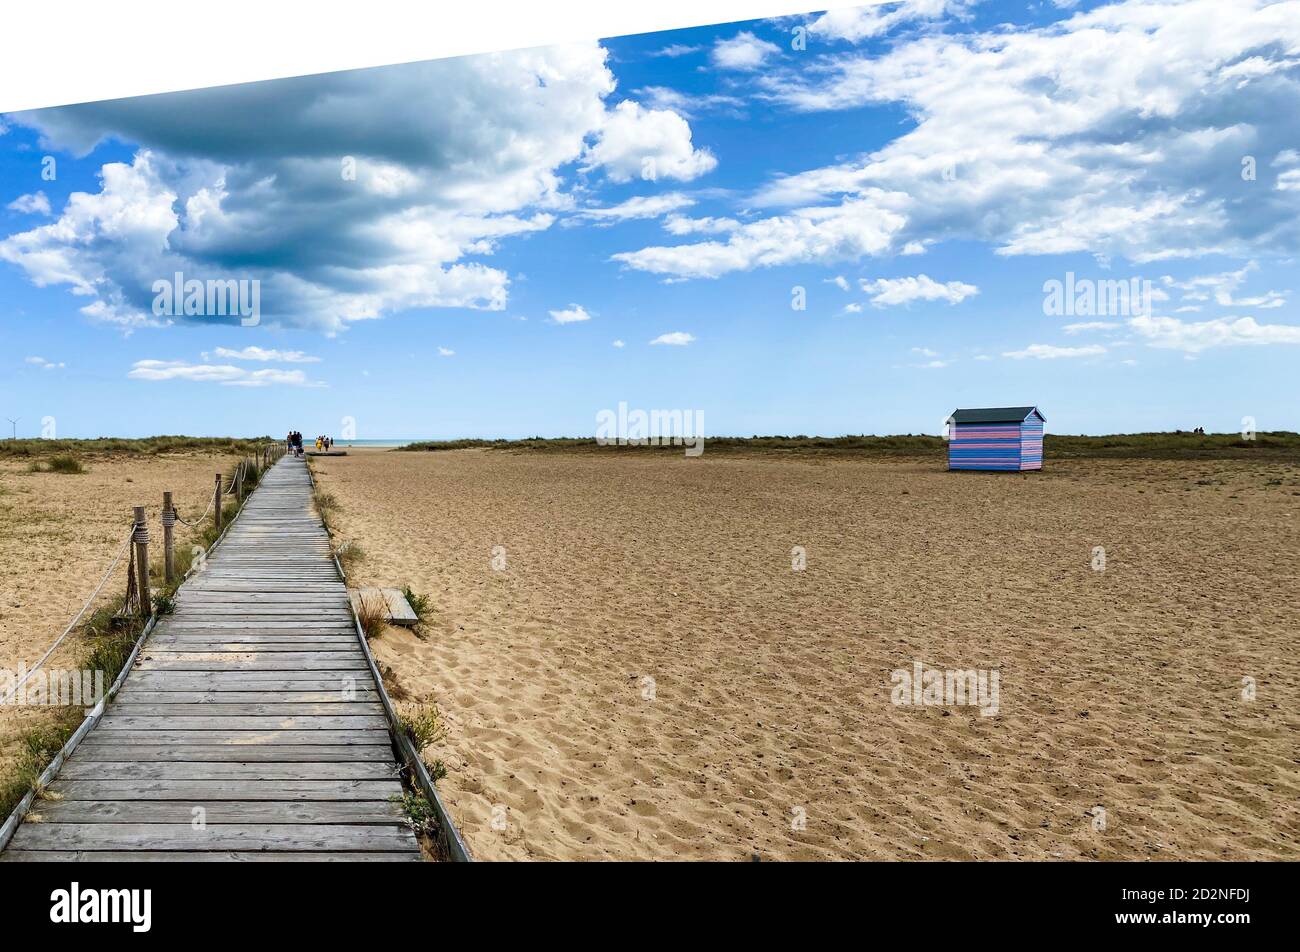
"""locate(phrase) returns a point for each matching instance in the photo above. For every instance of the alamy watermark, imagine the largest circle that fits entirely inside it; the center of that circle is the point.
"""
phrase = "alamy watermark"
(50, 688)
(936, 687)
(651, 428)
(1085, 297)
(215, 297)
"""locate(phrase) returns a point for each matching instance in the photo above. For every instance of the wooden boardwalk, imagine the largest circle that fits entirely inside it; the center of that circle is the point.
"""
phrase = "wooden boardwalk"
(250, 727)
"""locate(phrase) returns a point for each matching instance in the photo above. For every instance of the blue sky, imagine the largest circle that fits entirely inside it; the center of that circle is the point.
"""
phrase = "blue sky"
(918, 169)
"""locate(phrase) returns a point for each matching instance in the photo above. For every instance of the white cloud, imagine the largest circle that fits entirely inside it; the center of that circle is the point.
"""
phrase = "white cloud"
(45, 364)
(224, 374)
(1222, 287)
(690, 105)
(33, 204)
(445, 352)
(674, 50)
(635, 142)
(640, 206)
(852, 309)
(674, 339)
(886, 292)
(571, 315)
(925, 352)
(1171, 333)
(262, 354)
(1085, 326)
(681, 225)
(1052, 352)
(619, 343)
(744, 51)
(804, 235)
(1104, 133)
(855, 24)
(452, 158)
(840, 282)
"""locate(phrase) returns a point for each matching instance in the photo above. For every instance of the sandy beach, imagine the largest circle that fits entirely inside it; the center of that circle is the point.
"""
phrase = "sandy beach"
(644, 675)
(58, 534)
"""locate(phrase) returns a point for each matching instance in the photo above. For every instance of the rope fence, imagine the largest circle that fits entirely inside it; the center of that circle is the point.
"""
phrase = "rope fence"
(137, 542)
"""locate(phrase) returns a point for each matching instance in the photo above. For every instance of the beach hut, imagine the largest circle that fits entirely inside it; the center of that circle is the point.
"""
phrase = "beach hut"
(1001, 438)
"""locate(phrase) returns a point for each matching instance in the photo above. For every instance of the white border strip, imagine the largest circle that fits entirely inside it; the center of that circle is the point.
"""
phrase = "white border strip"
(82, 54)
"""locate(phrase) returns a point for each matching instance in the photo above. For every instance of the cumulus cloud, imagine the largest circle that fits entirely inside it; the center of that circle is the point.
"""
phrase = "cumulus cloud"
(805, 235)
(744, 51)
(263, 354)
(573, 314)
(636, 142)
(1052, 352)
(1222, 287)
(1114, 132)
(1193, 337)
(348, 195)
(855, 24)
(620, 344)
(225, 374)
(681, 225)
(886, 292)
(640, 206)
(1086, 326)
(45, 364)
(34, 204)
(674, 339)
(446, 352)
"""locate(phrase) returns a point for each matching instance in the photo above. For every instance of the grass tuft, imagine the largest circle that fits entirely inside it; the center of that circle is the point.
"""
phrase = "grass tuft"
(372, 614)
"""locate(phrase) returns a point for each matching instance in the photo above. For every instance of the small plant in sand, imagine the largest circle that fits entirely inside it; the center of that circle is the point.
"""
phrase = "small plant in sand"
(59, 464)
(422, 605)
(420, 816)
(372, 614)
(349, 554)
(326, 507)
(423, 724)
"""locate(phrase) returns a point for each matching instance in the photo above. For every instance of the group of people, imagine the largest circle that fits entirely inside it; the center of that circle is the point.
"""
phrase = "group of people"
(293, 442)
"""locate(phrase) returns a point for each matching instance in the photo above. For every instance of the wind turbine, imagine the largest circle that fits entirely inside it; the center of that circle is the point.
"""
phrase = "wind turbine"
(15, 425)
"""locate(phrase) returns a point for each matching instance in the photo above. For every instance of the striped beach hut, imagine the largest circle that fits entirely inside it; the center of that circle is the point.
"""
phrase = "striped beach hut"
(1002, 438)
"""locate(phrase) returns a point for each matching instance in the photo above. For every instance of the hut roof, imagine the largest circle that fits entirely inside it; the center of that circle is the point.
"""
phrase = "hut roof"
(995, 415)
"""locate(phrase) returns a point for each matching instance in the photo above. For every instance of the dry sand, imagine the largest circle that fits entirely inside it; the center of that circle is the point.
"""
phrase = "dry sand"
(58, 534)
(1120, 689)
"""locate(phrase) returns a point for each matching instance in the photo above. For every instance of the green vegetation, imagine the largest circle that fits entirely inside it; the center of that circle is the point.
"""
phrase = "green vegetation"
(58, 464)
(372, 615)
(149, 446)
(422, 605)
(36, 748)
(1177, 445)
(419, 812)
(423, 726)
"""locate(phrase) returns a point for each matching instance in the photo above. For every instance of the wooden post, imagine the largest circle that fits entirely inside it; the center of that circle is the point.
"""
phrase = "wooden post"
(141, 538)
(169, 541)
(216, 506)
(239, 480)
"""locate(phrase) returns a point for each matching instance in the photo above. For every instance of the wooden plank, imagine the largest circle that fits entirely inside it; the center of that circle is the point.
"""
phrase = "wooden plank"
(223, 790)
(142, 696)
(290, 837)
(216, 812)
(215, 856)
(247, 722)
(104, 735)
(229, 753)
(398, 610)
(77, 769)
(269, 664)
(226, 709)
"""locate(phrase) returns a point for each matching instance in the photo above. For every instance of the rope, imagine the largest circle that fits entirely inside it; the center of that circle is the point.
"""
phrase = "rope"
(73, 624)
(186, 522)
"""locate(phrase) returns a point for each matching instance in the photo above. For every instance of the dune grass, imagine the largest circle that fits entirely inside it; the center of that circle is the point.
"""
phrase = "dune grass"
(1177, 445)
(116, 446)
